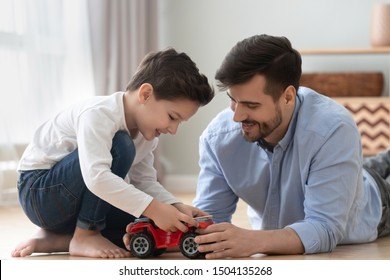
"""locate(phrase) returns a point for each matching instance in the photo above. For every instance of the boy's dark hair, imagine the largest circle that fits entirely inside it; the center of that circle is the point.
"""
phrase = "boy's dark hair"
(173, 76)
(266, 55)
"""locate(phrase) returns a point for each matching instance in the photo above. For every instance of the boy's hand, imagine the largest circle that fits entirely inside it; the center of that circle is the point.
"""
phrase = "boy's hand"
(190, 211)
(168, 217)
(127, 236)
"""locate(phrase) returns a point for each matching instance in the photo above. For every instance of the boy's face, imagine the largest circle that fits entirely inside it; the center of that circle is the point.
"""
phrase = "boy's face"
(164, 116)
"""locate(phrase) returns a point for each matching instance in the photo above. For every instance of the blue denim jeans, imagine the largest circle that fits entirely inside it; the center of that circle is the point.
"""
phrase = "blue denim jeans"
(58, 200)
(379, 168)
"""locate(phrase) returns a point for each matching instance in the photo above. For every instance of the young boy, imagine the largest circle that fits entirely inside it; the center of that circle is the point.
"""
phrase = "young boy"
(89, 171)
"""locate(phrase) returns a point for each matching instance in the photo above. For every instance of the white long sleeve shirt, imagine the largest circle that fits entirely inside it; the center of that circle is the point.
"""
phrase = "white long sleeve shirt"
(90, 126)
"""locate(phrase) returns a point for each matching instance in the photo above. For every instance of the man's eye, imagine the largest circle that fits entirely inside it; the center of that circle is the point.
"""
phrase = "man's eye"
(172, 118)
(252, 106)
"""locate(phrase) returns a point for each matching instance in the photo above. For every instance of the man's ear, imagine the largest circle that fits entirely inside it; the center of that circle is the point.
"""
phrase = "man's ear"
(289, 95)
(145, 91)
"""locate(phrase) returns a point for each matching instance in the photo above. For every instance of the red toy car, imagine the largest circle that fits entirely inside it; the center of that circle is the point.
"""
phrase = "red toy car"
(148, 240)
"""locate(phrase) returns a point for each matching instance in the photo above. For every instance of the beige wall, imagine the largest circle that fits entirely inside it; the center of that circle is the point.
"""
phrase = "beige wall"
(207, 29)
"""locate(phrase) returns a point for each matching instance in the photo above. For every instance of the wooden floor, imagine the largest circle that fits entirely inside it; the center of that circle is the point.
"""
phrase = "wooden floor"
(15, 227)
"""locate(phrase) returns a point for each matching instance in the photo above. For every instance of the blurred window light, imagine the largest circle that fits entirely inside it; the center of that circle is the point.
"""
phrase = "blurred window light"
(45, 62)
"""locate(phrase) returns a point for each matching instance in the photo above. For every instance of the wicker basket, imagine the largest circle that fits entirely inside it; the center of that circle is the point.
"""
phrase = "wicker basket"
(346, 84)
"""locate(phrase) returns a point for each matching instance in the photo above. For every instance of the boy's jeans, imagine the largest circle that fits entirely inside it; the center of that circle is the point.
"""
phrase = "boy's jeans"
(58, 199)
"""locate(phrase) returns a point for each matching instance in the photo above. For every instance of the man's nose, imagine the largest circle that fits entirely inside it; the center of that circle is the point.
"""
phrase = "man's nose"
(239, 113)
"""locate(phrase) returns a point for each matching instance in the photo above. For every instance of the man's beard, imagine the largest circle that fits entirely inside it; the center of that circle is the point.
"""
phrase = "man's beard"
(265, 128)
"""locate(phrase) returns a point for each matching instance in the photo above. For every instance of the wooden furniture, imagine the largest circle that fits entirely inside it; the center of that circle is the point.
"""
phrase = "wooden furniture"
(372, 114)
(346, 84)
(378, 50)
(343, 84)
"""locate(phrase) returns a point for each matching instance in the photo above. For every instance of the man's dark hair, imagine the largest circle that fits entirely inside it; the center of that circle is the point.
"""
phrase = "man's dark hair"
(173, 76)
(266, 55)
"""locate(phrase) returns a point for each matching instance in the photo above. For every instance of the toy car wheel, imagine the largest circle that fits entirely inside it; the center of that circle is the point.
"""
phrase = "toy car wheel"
(189, 248)
(142, 245)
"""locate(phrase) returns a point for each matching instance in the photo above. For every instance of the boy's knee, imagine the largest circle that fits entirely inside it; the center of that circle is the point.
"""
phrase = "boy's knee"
(122, 137)
(124, 145)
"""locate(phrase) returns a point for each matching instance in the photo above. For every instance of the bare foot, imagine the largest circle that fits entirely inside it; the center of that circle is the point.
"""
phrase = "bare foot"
(88, 243)
(43, 242)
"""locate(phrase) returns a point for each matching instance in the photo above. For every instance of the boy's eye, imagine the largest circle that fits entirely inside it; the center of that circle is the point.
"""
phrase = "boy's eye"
(171, 117)
(232, 100)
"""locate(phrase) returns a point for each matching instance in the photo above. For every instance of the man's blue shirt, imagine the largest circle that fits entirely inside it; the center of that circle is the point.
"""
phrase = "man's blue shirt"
(313, 180)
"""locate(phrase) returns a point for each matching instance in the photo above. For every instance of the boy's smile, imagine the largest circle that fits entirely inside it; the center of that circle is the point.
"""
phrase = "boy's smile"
(177, 111)
(153, 117)
(164, 116)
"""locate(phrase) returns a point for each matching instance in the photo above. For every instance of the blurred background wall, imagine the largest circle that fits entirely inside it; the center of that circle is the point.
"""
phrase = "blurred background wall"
(56, 52)
(207, 30)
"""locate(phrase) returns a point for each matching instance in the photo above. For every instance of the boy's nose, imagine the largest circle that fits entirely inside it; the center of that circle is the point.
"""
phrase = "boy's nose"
(173, 128)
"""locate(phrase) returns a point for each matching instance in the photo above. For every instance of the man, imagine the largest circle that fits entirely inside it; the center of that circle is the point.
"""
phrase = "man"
(293, 155)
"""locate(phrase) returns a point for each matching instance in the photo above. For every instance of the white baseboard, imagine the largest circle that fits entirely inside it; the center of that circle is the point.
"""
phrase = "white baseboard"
(180, 183)
(8, 197)
(8, 183)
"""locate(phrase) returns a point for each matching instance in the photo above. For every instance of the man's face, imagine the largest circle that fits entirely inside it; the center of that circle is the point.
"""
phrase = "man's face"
(260, 116)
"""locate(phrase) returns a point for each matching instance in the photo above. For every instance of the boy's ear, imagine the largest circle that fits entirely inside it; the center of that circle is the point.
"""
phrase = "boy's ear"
(145, 91)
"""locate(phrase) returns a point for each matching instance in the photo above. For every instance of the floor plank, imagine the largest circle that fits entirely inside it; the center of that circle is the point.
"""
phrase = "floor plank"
(15, 227)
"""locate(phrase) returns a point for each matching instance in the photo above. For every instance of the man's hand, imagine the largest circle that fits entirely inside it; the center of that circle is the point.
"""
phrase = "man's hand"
(226, 240)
